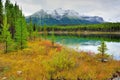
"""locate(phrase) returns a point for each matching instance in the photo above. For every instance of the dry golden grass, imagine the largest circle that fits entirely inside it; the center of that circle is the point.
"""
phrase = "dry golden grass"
(41, 61)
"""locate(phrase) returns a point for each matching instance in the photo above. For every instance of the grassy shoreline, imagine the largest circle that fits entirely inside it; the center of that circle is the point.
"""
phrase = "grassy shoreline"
(43, 61)
(82, 32)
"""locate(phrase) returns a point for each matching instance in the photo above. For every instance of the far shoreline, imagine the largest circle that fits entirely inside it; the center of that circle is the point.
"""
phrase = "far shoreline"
(81, 32)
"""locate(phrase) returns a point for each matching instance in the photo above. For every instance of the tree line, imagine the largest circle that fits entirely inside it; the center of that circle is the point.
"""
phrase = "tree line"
(14, 32)
(103, 27)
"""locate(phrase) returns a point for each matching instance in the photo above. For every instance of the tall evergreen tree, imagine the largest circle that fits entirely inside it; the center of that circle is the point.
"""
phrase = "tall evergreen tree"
(102, 49)
(21, 34)
(6, 36)
(8, 12)
(11, 18)
(53, 37)
(1, 15)
(13, 13)
(7, 9)
(30, 29)
(45, 31)
(17, 12)
(35, 31)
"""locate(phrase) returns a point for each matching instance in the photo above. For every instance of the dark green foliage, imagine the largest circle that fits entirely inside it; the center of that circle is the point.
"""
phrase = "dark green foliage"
(35, 31)
(21, 34)
(13, 13)
(104, 27)
(8, 7)
(45, 31)
(16, 30)
(1, 15)
(30, 29)
(6, 36)
(53, 37)
(102, 49)
(17, 23)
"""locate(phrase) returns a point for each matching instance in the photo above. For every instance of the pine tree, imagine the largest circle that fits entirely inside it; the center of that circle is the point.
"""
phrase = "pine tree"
(53, 37)
(35, 31)
(21, 34)
(6, 36)
(102, 49)
(8, 12)
(12, 13)
(45, 31)
(11, 18)
(30, 29)
(7, 9)
(40, 34)
(1, 15)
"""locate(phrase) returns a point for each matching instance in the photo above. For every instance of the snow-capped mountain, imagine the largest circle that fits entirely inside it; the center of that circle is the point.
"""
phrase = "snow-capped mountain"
(60, 13)
(57, 13)
(40, 13)
(60, 16)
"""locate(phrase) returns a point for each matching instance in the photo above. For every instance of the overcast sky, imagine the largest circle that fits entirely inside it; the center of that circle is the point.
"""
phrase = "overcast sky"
(108, 9)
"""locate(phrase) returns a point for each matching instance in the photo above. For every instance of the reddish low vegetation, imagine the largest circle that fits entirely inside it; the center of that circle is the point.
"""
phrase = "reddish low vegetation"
(42, 60)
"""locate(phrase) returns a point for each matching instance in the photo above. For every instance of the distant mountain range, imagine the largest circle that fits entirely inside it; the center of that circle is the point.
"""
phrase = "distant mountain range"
(62, 17)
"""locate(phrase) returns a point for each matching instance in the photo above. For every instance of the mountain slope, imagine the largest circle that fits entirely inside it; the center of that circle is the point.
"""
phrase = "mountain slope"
(62, 17)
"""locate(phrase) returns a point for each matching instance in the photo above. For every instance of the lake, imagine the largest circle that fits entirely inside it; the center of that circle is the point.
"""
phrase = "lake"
(89, 42)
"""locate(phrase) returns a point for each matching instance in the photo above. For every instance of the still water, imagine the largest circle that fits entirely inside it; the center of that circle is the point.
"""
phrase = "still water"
(90, 42)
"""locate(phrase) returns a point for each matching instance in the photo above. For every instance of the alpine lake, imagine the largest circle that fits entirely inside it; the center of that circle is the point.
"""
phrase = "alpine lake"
(89, 42)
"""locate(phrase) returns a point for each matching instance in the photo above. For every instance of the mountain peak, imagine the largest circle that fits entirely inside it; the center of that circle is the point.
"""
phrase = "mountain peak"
(61, 16)
(68, 13)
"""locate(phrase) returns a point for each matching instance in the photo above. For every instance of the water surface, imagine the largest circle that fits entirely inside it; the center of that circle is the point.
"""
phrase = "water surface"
(90, 42)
